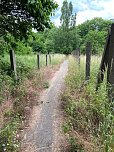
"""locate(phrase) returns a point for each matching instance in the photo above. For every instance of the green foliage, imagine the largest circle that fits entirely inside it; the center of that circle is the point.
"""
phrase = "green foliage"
(67, 39)
(19, 17)
(94, 31)
(46, 85)
(9, 140)
(60, 41)
(66, 11)
(97, 40)
(7, 42)
(89, 111)
(37, 42)
(26, 64)
(3, 46)
(66, 127)
(18, 94)
(37, 46)
(22, 48)
(75, 146)
(49, 45)
(96, 24)
(6, 84)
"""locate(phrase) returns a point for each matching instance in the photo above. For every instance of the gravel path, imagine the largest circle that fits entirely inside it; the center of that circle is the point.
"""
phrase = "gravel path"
(45, 134)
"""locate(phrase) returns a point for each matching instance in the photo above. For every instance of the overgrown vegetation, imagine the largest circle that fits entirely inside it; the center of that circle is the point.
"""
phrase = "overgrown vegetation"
(18, 97)
(90, 115)
(88, 111)
(65, 39)
(19, 17)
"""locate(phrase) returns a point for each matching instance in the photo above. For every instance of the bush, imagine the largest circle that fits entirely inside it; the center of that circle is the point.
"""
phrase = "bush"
(22, 48)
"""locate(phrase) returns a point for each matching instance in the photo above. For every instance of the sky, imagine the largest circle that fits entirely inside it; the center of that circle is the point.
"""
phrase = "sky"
(87, 9)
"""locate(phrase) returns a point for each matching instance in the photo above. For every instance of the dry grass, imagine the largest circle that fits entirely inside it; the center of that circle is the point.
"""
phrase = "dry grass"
(86, 118)
(22, 99)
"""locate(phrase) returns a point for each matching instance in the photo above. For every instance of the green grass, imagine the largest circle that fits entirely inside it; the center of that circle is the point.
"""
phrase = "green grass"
(17, 92)
(89, 111)
(26, 66)
(46, 85)
(8, 136)
(31, 60)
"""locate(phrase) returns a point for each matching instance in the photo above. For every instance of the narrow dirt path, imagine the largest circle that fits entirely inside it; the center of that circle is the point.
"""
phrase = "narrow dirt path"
(44, 133)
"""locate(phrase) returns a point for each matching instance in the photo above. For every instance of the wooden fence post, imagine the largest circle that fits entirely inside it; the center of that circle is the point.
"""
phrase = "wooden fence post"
(38, 60)
(50, 58)
(107, 62)
(76, 54)
(104, 61)
(79, 56)
(13, 63)
(88, 60)
(46, 59)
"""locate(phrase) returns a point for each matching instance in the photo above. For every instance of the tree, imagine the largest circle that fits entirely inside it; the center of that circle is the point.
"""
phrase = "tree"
(68, 35)
(19, 17)
(66, 11)
(60, 41)
(49, 45)
(95, 31)
(73, 20)
(37, 42)
(97, 40)
(97, 24)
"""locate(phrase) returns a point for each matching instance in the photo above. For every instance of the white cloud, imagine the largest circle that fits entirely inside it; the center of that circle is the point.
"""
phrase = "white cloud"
(106, 13)
(108, 7)
(59, 2)
(88, 9)
(56, 21)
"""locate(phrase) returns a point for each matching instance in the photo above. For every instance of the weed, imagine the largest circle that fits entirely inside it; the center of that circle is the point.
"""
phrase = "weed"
(22, 95)
(8, 138)
(66, 127)
(75, 146)
(89, 111)
(46, 85)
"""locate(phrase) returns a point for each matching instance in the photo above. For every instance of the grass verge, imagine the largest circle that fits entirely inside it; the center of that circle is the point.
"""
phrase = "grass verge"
(89, 113)
(18, 98)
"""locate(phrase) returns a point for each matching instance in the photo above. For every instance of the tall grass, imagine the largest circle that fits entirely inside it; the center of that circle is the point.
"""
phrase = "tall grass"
(26, 66)
(31, 60)
(90, 112)
(21, 94)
